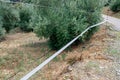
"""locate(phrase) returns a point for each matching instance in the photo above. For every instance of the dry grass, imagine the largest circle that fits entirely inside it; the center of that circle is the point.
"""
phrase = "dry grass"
(19, 53)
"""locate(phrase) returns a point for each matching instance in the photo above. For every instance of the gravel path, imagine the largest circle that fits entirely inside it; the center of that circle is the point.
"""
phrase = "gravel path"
(112, 20)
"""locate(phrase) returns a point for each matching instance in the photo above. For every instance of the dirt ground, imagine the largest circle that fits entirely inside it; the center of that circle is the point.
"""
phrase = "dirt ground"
(97, 59)
(107, 11)
(98, 65)
(20, 53)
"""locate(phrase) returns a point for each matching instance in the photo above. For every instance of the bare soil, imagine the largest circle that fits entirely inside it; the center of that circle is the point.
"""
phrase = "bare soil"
(108, 12)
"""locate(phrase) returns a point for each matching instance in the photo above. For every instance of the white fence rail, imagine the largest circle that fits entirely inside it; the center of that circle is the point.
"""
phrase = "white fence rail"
(26, 77)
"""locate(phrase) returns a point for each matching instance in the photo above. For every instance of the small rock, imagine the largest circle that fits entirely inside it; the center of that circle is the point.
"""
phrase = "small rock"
(118, 62)
(118, 72)
(101, 67)
(70, 68)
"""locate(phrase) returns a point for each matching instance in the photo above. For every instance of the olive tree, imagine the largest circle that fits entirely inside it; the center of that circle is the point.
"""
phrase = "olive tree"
(9, 16)
(62, 20)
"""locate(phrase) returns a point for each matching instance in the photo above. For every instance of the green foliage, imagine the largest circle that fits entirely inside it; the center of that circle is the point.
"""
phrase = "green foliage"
(1, 29)
(115, 5)
(26, 12)
(107, 2)
(63, 20)
(9, 16)
(2, 33)
(16, 15)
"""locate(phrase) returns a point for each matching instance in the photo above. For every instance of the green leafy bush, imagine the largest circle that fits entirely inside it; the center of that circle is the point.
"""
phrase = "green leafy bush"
(9, 16)
(16, 15)
(26, 12)
(2, 32)
(115, 5)
(65, 19)
(107, 3)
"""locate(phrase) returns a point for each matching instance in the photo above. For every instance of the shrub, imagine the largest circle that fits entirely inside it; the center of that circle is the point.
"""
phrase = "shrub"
(2, 31)
(16, 15)
(115, 5)
(26, 12)
(9, 16)
(64, 20)
(107, 3)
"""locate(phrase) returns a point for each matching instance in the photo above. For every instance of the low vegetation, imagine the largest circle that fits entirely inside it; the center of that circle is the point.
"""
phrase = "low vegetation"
(26, 13)
(2, 33)
(115, 5)
(9, 16)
